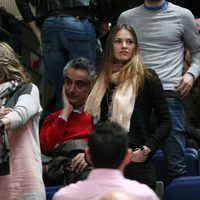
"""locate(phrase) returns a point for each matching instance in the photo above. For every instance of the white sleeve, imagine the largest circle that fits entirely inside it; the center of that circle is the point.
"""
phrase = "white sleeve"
(27, 105)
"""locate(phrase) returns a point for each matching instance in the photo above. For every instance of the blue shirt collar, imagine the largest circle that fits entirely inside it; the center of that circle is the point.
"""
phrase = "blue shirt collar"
(161, 7)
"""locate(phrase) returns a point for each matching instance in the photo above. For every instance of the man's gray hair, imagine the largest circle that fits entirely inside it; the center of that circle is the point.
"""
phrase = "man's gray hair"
(81, 63)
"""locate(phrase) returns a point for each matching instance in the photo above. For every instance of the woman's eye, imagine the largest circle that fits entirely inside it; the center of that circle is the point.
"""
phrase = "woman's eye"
(117, 41)
(129, 42)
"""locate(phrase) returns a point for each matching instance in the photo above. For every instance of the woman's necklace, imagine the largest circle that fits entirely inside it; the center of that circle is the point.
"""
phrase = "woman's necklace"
(109, 99)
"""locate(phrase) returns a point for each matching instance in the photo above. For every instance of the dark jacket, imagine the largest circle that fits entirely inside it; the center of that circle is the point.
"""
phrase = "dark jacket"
(44, 7)
(150, 98)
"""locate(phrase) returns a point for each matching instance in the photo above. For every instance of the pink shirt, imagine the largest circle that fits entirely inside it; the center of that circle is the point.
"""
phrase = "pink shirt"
(25, 178)
(101, 181)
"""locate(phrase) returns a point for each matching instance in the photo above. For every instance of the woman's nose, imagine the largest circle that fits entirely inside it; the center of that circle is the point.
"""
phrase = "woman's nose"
(124, 44)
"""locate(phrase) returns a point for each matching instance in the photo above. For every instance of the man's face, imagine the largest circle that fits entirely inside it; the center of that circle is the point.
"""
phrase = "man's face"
(76, 86)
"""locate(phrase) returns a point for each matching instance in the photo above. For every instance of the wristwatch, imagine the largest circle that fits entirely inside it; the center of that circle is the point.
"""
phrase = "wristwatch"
(146, 150)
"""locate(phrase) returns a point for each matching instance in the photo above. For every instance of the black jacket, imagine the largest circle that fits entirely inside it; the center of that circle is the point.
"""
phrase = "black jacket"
(43, 7)
(150, 98)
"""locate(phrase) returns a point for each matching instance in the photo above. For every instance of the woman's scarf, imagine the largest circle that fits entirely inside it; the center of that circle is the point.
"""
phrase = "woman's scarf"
(6, 89)
(122, 104)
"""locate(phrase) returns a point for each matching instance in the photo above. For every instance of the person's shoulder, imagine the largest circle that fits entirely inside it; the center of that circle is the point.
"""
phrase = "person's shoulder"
(180, 10)
(152, 79)
(33, 87)
(142, 190)
(151, 71)
(151, 74)
(70, 191)
(27, 88)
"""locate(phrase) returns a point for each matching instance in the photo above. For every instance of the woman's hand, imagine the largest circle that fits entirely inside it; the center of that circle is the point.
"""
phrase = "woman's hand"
(138, 156)
(5, 111)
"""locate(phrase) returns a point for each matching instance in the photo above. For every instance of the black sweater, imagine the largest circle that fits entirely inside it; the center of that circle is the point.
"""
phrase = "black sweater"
(150, 98)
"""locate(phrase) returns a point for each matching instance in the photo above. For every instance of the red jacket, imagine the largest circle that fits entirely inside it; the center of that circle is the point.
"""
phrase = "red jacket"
(55, 130)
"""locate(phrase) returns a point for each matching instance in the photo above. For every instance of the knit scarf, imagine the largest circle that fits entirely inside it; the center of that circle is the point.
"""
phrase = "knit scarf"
(6, 89)
(122, 104)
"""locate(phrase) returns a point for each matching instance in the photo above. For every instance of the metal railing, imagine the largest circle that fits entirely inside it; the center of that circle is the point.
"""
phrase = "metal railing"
(31, 57)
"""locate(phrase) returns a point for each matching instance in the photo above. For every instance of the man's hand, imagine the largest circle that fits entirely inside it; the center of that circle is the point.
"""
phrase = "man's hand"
(67, 107)
(37, 32)
(78, 163)
(197, 20)
(185, 84)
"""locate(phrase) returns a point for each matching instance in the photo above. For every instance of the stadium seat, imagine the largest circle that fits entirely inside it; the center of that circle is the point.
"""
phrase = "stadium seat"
(192, 163)
(184, 188)
(51, 190)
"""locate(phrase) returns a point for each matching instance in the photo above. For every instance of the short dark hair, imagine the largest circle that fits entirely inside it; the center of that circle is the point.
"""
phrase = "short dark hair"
(108, 145)
(81, 63)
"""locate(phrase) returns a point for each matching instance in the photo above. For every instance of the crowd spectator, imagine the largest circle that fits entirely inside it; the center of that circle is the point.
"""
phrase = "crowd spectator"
(66, 32)
(192, 106)
(108, 153)
(127, 92)
(64, 133)
(20, 160)
(165, 31)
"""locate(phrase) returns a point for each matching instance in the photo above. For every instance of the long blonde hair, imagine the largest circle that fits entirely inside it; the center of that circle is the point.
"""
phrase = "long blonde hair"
(10, 66)
(133, 71)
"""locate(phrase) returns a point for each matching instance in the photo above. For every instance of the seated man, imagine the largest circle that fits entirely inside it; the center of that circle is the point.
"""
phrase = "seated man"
(64, 133)
(108, 153)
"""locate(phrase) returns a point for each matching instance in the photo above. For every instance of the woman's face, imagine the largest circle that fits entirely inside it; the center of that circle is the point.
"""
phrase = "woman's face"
(123, 46)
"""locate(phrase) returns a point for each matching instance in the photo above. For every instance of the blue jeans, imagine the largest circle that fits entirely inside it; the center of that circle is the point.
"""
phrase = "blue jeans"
(66, 38)
(174, 146)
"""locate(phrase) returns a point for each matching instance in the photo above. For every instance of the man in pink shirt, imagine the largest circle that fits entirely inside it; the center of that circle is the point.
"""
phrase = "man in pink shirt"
(108, 153)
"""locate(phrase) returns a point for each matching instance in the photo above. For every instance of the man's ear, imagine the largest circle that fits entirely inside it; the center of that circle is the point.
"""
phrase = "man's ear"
(87, 155)
(127, 158)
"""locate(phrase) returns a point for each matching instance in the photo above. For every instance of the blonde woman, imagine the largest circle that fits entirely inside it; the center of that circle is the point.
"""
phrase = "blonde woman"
(21, 172)
(127, 92)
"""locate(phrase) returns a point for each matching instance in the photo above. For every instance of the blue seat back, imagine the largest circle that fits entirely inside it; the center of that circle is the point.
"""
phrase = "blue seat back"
(51, 190)
(192, 158)
(184, 188)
